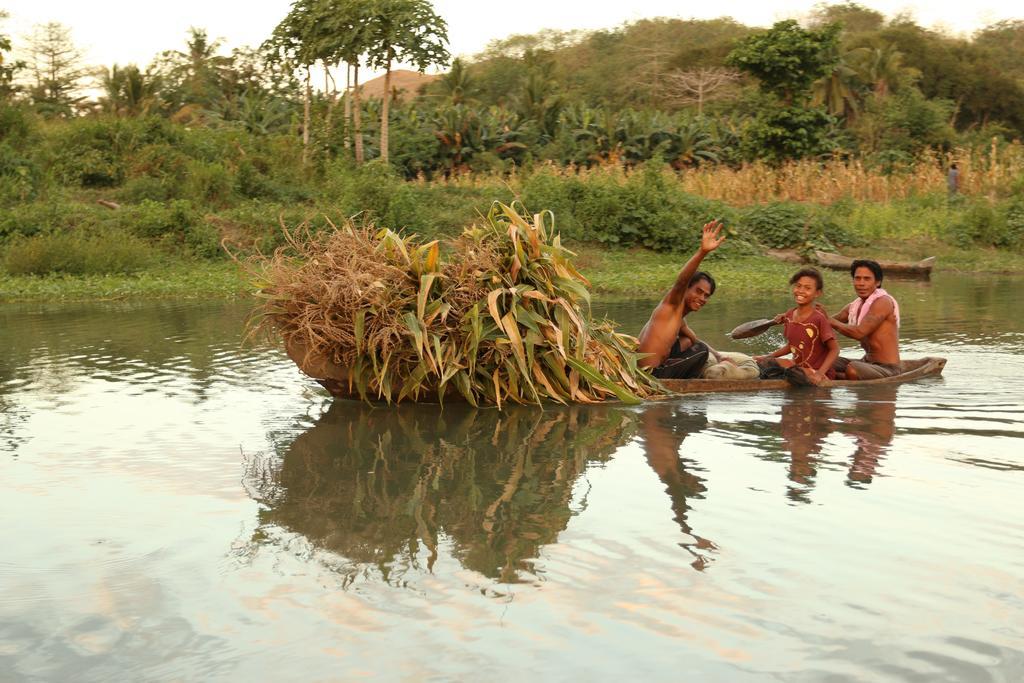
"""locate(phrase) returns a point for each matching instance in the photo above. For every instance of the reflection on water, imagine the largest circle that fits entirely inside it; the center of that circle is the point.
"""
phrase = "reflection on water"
(808, 418)
(663, 428)
(179, 505)
(384, 486)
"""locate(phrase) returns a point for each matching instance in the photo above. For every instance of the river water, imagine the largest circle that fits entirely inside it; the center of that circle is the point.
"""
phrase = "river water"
(180, 505)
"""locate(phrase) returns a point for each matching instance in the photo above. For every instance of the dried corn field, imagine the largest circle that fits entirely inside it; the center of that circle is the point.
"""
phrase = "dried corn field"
(989, 172)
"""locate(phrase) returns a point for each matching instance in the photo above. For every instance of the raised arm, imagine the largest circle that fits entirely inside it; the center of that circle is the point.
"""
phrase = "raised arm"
(661, 331)
(880, 310)
(711, 238)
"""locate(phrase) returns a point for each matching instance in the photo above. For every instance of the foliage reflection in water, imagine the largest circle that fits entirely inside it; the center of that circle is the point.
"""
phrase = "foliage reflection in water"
(384, 486)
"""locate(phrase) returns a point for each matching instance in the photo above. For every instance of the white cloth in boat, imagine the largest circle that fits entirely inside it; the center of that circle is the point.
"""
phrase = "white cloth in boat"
(741, 366)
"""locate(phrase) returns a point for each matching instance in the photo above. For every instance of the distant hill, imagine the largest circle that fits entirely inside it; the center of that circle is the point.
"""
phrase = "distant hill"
(406, 83)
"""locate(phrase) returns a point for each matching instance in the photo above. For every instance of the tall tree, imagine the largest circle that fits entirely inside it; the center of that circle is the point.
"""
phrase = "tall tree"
(839, 89)
(1004, 42)
(342, 36)
(882, 68)
(8, 68)
(193, 78)
(294, 42)
(854, 17)
(57, 70)
(407, 31)
(699, 85)
(787, 59)
(128, 91)
(457, 85)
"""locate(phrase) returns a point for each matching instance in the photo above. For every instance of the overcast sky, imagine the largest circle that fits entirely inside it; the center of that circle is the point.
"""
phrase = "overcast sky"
(123, 31)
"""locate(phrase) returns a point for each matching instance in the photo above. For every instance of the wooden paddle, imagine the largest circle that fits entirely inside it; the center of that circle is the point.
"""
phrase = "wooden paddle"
(753, 328)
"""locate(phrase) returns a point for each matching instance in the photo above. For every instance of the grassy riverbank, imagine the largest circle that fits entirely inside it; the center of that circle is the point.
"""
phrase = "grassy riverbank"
(633, 229)
(613, 272)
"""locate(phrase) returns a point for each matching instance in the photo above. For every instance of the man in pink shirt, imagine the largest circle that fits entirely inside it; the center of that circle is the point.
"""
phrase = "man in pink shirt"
(873, 319)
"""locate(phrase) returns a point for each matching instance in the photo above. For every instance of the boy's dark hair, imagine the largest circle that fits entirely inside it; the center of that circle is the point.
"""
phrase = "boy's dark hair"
(811, 273)
(869, 264)
(701, 275)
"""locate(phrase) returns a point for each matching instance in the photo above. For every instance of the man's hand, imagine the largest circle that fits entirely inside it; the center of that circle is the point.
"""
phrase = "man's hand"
(779, 319)
(814, 376)
(712, 236)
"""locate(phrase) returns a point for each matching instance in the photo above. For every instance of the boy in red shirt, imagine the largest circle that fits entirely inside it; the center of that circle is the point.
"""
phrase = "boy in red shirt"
(809, 336)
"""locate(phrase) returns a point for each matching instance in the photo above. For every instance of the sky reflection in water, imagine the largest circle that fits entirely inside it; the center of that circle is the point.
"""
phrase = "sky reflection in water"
(186, 507)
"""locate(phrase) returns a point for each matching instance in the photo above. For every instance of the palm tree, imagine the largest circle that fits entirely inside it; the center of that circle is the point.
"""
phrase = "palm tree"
(457, 84)
(837, 91)
(201, 67)
(128, 92)
(882, 68)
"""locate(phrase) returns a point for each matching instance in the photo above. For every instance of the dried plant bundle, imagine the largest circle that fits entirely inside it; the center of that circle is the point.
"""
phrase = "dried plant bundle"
(502, 316)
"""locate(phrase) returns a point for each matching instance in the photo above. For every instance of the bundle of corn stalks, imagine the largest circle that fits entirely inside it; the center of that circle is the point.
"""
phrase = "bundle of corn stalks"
(505, 317)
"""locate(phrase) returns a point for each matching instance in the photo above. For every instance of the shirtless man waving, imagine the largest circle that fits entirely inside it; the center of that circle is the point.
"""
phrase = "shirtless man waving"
(873, 318)
(674, 352)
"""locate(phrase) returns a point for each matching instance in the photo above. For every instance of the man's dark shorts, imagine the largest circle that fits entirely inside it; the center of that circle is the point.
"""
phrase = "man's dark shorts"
(866, 370)
(688, 364)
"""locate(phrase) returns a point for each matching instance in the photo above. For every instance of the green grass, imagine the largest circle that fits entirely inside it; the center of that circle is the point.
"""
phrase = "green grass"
(186, 280)
(641, 273)
(613, 273)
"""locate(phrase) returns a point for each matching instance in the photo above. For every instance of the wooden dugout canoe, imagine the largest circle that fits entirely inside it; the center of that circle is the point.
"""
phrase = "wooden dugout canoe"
(334, 378)
(917, 368)
(919, 269)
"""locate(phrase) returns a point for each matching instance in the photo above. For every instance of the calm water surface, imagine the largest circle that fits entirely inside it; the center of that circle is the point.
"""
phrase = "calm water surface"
(178, 505)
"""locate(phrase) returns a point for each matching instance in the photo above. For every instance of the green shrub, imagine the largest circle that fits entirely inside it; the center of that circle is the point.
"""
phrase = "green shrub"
(1015, 223)
(146, 188)
(159, 161)
(214, 145)
(546, 189)
(987, 225)
(17, 125)
(258, 223)
(252, 183)
(151, 219)
(94, 152)
(641, 210)
(366, 189)
(991, 225)
(20, 175)
(257, 178)
(669, 219)
(440, 211)
(75, 254)
(202, 239)
(44, 217)
(155, 172)
(208, 183)
(90, 168)
(777, 226)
